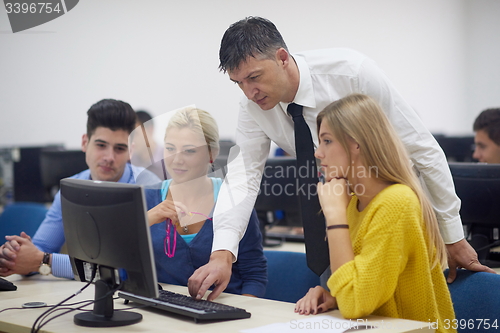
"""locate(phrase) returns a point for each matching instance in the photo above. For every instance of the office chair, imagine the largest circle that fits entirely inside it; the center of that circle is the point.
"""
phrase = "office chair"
(289, 278)
(21, 216)
(476, 300)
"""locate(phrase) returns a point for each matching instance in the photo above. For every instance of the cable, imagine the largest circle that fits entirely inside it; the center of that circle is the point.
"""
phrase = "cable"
(89, 302)
(34, 328)
(80, 307)
(14, 309)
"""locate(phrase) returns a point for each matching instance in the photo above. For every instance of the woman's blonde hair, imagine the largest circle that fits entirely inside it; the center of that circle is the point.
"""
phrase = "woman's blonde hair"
(200, 121)
(361, 118)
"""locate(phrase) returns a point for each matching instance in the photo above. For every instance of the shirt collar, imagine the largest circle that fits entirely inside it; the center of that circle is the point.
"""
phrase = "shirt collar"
(127, 174)
(125, 178)
(305, 92)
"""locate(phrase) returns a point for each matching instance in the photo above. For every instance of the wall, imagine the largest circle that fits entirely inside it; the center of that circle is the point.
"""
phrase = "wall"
(161, 55)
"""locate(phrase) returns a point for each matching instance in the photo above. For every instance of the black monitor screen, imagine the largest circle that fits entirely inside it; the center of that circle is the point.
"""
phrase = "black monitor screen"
(279, 190)
(105, 225)
(478, 187)
(58, 164)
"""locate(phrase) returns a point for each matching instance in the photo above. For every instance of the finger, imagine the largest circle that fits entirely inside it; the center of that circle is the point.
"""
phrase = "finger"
(9, 254)
(298, 305)
(16, 238)
(307, 307)
(25, 235)
(5, 272)
(194, 282)
(205, 285)
(174, 219)
(12, 246)
(217, 291)
(452, 274)
(314, 305)
(7, 264)
(322, 308)
(478, 267)
(181, 209)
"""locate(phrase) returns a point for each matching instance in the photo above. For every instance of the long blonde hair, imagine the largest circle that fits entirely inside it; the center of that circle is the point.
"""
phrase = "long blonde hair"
(360, 117)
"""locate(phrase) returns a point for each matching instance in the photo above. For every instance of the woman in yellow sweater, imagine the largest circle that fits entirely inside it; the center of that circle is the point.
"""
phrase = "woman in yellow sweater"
(386, 253)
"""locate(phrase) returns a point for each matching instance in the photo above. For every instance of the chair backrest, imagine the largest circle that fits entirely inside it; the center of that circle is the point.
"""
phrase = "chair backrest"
(21, 216)
(289, 278)
(476, 296)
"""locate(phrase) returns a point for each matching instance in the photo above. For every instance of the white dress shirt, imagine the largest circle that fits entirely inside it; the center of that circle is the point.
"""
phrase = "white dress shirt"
(326, 76)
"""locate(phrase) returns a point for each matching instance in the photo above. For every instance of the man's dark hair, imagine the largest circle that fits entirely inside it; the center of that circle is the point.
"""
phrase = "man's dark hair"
(250, 37)
(112, 114)
(489, 121)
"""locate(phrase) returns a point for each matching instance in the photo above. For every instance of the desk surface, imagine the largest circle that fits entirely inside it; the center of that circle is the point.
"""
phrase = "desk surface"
(52, 290)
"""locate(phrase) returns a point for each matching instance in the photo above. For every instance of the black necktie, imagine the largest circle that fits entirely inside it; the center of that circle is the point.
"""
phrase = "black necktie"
(312, 220)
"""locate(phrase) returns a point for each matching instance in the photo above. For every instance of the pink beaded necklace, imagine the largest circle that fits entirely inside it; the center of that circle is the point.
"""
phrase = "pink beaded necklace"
(170, 252)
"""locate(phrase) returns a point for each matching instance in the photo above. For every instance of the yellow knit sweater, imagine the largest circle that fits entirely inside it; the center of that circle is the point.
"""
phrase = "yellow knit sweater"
(391, 275)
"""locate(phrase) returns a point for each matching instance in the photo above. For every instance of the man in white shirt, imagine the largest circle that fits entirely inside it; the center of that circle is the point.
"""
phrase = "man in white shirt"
(256, 58)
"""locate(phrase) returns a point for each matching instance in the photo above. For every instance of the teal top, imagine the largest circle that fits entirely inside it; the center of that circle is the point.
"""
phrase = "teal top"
(164, 191)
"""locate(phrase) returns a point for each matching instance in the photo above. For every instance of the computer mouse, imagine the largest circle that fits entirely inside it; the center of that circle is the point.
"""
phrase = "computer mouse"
(7, 285)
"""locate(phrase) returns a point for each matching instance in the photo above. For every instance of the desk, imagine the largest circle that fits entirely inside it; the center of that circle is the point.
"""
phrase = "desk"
(52, 290)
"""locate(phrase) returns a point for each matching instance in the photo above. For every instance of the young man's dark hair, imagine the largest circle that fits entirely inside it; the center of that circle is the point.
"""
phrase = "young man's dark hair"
(112, 114)
(489, 122)
(250, 37)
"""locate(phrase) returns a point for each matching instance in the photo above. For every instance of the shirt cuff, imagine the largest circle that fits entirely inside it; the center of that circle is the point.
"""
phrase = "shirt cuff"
(226, 240)
(61, 266)
(452, 230)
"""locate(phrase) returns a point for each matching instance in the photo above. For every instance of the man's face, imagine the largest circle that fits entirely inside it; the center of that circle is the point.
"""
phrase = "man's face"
(264, 81)
(106, 153)
(486, 149)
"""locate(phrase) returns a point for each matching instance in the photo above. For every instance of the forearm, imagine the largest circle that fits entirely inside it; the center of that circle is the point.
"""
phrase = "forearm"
(339, 242)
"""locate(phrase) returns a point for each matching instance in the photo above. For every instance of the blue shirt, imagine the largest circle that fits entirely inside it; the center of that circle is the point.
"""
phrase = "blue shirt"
(50, 235)
(249, 272)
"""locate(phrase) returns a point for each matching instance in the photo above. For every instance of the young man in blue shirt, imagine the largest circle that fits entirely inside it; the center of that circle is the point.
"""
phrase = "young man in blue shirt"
(105, 144)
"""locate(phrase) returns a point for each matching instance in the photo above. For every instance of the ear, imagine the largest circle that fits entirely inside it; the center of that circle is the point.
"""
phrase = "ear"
(214, 153)
(354, 148)
(85, 142)
(282, 57)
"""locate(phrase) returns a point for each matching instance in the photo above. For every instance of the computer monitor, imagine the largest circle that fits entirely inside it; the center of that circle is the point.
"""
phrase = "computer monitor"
(27, 176)
(478, 187)
(278, 202)
(105, 226)
(58, 164)
(457, 148)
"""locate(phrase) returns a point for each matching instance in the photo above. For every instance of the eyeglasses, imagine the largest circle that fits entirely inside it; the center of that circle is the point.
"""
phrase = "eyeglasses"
(170, 251)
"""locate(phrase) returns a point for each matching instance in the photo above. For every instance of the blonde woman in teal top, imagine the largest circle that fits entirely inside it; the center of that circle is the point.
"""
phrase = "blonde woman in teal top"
(180, 213)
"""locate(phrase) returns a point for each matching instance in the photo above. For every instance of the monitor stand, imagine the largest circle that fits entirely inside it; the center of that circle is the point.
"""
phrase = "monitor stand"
(103, 314)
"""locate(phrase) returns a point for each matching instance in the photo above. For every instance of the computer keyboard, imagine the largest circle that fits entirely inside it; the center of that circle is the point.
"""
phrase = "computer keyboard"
(188, 306)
